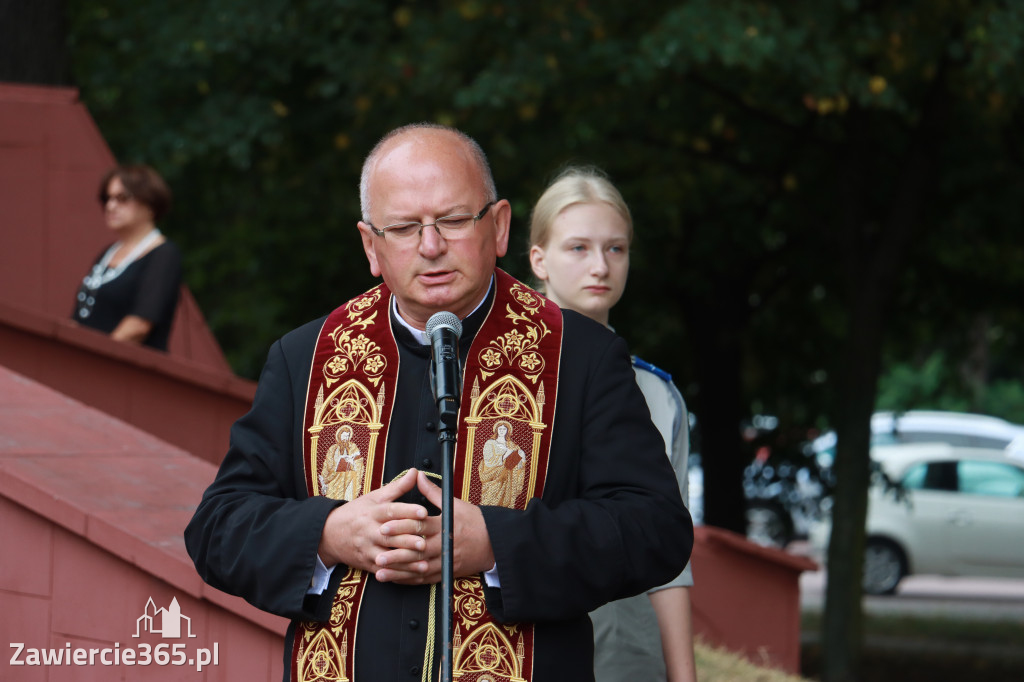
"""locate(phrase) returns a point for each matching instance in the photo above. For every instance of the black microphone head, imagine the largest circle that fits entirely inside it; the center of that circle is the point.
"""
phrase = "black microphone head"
(444, 319)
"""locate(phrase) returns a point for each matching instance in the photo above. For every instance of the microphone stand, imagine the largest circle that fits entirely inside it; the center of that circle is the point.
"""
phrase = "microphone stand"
(444, 330)
(447, 434)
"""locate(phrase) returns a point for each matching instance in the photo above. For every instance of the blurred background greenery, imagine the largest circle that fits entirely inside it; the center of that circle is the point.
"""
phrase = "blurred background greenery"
(787, 166)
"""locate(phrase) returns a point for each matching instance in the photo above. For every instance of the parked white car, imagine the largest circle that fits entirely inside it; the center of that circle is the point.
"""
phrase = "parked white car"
(942, 509)
(788, 500)
(933, 426)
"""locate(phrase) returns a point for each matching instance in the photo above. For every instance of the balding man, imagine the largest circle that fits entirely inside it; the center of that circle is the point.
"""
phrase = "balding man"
(590, 511)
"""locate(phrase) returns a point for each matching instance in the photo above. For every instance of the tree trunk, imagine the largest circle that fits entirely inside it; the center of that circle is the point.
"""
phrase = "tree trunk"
(872, 253)
(975, 369)
(842, 627)
(33, 42)
(717, 329)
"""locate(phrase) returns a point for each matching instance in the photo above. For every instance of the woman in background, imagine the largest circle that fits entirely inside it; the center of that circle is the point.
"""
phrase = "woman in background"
(580, 233)
(131, 291)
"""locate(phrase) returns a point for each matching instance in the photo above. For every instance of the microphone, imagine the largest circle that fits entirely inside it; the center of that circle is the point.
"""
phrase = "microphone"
(444, 330)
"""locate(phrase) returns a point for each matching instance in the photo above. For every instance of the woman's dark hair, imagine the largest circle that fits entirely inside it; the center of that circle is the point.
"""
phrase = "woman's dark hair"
(142, 183)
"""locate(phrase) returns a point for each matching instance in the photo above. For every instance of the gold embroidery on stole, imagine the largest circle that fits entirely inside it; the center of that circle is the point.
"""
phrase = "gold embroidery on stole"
(502, 452)
(501, 459)
(354, 371)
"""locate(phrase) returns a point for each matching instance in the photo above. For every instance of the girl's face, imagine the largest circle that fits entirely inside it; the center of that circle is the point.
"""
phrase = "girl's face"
(586, 260)
(502, 430)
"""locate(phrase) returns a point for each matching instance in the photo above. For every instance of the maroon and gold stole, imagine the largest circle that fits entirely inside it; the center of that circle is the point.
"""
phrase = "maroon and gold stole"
(501, 458)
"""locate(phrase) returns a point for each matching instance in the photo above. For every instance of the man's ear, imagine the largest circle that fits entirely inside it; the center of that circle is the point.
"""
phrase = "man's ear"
(502, 226)
(369, 246)
(537, 263)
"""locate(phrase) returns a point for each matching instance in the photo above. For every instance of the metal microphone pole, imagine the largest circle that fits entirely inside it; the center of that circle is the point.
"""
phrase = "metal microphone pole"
(447, 435)
(444, 330)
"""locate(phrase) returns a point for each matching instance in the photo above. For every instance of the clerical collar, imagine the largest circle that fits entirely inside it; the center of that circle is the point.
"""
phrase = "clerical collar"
(469, 325)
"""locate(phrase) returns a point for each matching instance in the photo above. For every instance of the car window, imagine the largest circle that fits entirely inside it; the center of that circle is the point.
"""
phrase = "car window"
(990, 478)
(933, 437)
(986, 442)
(885, 438)
(914, 479)
(958, 439)
(932, 476)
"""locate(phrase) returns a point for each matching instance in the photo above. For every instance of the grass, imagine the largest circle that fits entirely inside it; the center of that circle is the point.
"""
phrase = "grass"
(913, 648)
(930, 629)
(897, 649)
(719, 665)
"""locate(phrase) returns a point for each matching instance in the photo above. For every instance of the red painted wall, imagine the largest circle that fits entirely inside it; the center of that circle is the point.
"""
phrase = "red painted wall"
(57, 587)
(184, 403)
(92, 512)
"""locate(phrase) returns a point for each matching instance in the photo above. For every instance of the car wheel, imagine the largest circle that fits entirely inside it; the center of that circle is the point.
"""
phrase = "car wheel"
(885, 564)
(768, 525)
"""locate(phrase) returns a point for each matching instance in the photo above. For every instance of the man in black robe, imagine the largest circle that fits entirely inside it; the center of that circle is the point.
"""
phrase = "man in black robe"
(610, 522)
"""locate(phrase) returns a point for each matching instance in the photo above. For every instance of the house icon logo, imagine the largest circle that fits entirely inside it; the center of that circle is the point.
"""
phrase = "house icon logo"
(165, 622)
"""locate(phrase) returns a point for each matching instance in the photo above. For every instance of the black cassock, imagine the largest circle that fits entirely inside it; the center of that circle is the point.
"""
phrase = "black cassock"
(610, 523)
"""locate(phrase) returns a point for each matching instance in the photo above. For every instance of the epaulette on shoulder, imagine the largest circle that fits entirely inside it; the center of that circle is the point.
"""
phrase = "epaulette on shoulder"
(656, 371)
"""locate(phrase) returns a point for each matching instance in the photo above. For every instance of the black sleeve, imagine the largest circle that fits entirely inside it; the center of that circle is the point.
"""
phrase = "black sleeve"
(256, 532)
(611, 522)
(159, 284)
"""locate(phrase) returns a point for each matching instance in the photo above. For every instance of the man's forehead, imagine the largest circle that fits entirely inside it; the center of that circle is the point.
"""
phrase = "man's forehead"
(442, 180)
(426, 149)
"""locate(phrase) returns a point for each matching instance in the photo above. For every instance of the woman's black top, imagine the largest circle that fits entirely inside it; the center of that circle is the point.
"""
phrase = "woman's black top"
(148, 288)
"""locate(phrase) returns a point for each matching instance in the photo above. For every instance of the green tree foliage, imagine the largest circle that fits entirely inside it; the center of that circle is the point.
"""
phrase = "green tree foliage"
(819, 187)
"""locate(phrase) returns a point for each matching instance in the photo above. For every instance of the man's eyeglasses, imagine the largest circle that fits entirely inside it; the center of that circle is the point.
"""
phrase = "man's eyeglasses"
(450, 226)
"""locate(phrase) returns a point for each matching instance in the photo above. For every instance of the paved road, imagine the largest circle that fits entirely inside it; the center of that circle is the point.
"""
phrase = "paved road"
(969, 598)
(963, 598)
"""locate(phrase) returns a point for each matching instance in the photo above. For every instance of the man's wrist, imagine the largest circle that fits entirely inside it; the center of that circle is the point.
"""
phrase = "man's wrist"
(324, 551)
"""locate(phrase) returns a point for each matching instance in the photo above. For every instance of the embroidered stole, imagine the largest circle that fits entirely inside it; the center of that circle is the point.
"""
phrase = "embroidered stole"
(501, 458)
